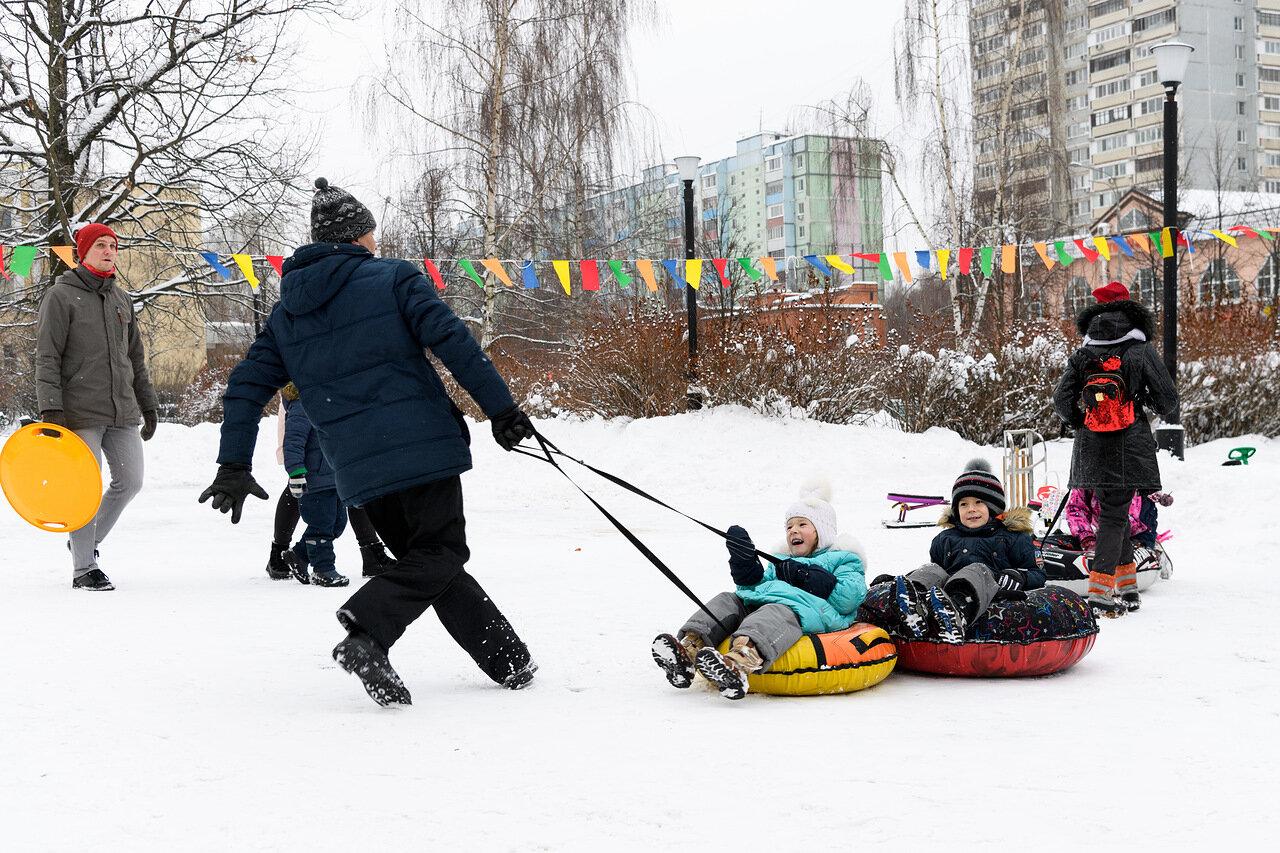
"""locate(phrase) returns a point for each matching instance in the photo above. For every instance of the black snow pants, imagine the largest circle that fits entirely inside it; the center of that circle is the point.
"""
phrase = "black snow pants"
(1114, 546)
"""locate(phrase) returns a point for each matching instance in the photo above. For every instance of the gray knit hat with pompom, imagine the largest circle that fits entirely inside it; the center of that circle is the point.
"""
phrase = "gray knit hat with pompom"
(336, 215)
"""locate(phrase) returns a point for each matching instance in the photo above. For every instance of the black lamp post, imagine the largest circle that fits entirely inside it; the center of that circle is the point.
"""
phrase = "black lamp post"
(688, 167)
(1171, 68)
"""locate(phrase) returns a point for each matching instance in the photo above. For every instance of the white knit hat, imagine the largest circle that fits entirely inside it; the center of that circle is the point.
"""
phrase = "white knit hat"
(815, 504)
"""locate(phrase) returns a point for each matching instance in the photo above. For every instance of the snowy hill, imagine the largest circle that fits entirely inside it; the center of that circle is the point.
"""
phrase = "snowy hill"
(197, 706)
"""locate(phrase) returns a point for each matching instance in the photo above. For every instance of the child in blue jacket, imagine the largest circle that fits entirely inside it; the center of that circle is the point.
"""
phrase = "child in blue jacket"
(312, 482)
(817, 587)
(983, 551)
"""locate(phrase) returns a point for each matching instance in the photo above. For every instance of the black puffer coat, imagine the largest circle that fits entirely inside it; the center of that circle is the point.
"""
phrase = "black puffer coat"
(1125, 459)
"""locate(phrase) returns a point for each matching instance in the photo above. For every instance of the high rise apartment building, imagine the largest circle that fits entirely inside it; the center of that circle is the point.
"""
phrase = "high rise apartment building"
(1069, 112)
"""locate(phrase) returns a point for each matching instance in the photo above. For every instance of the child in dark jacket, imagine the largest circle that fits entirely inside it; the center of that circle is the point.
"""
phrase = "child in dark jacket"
(983, 552)
(312, 482)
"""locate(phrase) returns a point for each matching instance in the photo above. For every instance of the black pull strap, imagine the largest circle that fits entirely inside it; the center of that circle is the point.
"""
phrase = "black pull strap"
(548, 450)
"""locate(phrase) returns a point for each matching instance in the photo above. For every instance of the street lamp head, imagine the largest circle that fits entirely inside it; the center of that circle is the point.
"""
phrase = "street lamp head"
(1171, 62)
(688, 167)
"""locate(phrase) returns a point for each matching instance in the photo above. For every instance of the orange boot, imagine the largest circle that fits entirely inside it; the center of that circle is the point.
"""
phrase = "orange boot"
(1127, 586)
(1102, 586)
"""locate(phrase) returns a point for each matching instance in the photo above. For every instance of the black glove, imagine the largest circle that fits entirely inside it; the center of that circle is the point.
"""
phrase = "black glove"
(511, 427)
(148, 424)
(233, 484)
(54, 416)
(811, 579)
(744, 566)
(1012, 580)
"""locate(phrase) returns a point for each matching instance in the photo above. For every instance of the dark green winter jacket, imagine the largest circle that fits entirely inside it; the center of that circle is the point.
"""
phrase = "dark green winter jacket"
(89, 358)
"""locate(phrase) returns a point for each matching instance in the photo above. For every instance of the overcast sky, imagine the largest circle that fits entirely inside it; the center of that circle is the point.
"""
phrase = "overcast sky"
(706, 72)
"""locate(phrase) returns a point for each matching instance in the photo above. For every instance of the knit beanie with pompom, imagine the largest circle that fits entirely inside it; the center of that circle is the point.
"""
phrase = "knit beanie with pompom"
(814, 504)
(978, 481)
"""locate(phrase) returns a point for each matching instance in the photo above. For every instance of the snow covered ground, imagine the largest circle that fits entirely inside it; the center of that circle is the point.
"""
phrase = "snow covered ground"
(197, 706)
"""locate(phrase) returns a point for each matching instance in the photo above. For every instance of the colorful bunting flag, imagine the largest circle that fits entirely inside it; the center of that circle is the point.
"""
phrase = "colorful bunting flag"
(1090, 255)
(1123, 245)
(66, 254)
(693, 272)
(645, 268)
(245, 263)
(1043, 251)
(528, 276)
(1102, 247)
(590, 274)
(922, 259)
(623, 278)
(770, 267)
(1166, 243)
(944, 255)
(1142, 241)
(986, 260)
(496, 269)
(722, 267)
(562, 273)
(1226, 238)
(753, 273)
(1008, 258)
(212, 260)
(1249, 232)
(1183, 241)
(1064, 257)
(277, 263)
(886, 271)
(839, 263)
(3, 271)
(900, 261)
(818, 264)
(21, 259)
(470, 270)
(434, 272)
(965, 262)
(672, 267)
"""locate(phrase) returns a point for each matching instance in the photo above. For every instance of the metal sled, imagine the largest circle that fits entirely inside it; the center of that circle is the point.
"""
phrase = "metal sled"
(905, 503)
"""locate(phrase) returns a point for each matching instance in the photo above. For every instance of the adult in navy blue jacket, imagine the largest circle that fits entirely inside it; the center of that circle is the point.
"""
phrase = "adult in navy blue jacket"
(349, 331)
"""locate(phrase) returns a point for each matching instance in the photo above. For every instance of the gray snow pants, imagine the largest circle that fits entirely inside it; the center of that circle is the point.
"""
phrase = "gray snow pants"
(772, 628)
(123, 448)
(978, 576)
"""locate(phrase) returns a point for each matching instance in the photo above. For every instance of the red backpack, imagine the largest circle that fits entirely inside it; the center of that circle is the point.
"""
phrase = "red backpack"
(1108, 406)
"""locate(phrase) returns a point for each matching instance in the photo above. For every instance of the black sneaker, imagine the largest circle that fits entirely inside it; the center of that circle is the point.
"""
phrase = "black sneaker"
(1131, 601)
(329, 577)
(1106, 608)
(913, 613)
(948, 617)
(277, 568)
(360, 655)
(731, 681)
(297, 568)
(376, 560)
(521, 679)
(94, 580)
(673, 659)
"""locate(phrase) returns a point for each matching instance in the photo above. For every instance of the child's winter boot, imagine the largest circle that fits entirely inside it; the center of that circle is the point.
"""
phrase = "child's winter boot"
(675, 657)
(1127, 586)
(728, 671)
(1102, 595)
(323, 572)
(362, 656)
(948, 616)
(277, 568)
(375, 559)
(296, 559)
(329, 577)
(913, 612)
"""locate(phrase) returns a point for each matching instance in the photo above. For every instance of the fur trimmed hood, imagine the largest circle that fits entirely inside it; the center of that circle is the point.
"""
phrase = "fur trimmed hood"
(1016, 520)
(844, 542)
(1114, 319)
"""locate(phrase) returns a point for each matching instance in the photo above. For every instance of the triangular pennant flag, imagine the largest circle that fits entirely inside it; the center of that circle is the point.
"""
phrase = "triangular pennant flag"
(944, 255)
(212, 260)
(1226, 238)
(966, 261)
(900, 261)
(870, 257)
(496, 269)
(590, 274)
(770, 267)
(562, 273)
(21, 259)
(839, 263)
(1103, 248)
(470, 270)
(818, 264)
(1184, 241)
(986, 260)
(673, 269)
(4, 272)
(1064, 257)
(1043, 251)
(434, 272)
(693, 272)
(624, 279)
(1155, 241)
(1166, 243)
(245, 263)
(922, 259)
(528, 277)
(886, 271)
(722, 270)
(1008, 258)
(1141, 241)
(1090, 255)
(1123, 245)
(66, 254)
(752, 272)
(277, 263)
(1248, 232)
(645, 268)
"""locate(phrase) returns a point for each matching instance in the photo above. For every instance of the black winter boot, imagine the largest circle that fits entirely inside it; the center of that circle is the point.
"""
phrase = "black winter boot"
(375, 558)
(363, 657)
(277, 568)
(96, 581)
(297, 567)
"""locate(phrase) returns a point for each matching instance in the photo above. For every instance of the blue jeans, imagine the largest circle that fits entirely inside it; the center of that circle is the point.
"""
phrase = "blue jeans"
(326, 518)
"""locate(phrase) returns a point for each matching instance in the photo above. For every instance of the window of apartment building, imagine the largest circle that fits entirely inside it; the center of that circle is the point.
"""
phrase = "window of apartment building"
(1073, 51)
(773, 211)
(987, 96)
(1241, 165)
(990, 19)
(1077, 295)
(1026, 111)
(1081, 208)
(733, 179)
(1271, 187)
(1074, 23)
(1154, 133)
(1078, 130)
(1147, 78)
(1151, 105)
(1149, 164)
(1237, 24)
(1268, 75)
(1105, 199)
(989, 44)
(1106, 34)
(1219, 282)
(1111, 170)
(1143, 284)
(1239, 80)
(1112, 115)
(709, 181)
(1110, 60)
(1269, 46)
(1112, 87)
(1080, 182)
(990, 69)
(1030, 57)
(986, 171)
(1073, 78)
(799, 185)
(1272, 158)
(1271, 102)
(1078, 155)
(799, 209)
(1239, 108)
(1033, 29)
(772, 164)
(800, 232)
(1079, 102)
(1111, 143)
(1134, 219)
(1265, 284)
(1268, 19)
(1240, 52)
(1158, 19)
(1029, 83)
(773, 188)
(1240, 135)
(1106, 7)
(775, 231)
(798, 163)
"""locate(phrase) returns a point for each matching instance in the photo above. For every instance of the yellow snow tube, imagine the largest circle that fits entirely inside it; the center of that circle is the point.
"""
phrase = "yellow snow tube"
(50, 477)
(856, 658)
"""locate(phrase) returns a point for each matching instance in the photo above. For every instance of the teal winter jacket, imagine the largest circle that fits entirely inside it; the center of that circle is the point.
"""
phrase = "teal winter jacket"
(836, 612)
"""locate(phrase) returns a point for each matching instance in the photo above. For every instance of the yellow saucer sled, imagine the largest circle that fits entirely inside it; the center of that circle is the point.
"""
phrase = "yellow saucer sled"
(50, 477)
(856, 658)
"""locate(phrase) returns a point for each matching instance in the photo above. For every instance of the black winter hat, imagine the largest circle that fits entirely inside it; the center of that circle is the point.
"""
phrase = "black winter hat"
(979, 482)
(336, 215)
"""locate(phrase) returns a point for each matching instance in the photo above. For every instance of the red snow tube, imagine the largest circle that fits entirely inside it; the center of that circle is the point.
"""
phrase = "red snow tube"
(1046, 631)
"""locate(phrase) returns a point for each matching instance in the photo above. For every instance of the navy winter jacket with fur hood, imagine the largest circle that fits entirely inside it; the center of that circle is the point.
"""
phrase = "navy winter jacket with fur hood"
(349, 331)
(997, 544)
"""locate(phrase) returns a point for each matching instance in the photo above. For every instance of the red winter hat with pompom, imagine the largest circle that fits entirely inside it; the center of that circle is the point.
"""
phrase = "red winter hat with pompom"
(89, 234)
(1113, 292)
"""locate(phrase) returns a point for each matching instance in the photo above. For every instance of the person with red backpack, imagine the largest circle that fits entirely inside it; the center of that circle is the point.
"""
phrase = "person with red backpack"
(1109, 385)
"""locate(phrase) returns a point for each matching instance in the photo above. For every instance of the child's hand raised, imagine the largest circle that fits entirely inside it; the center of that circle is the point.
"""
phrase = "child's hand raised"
(744, 566)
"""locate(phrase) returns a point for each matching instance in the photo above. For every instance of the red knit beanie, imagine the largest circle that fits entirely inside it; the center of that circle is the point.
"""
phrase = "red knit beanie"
(1113, 292)
(87, 235)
